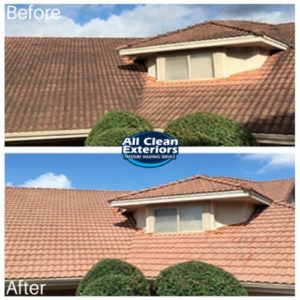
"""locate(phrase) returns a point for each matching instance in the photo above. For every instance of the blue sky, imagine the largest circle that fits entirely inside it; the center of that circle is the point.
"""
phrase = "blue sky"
(140, 20)
(111, 171)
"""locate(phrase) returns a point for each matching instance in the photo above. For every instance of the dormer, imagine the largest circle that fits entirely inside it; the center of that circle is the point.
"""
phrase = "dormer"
(207, 51)
(195, 204)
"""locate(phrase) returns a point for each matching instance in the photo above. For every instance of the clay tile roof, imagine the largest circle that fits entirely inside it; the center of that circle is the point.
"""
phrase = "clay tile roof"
(207, 184)
(66, 83)
(215, 30)
(54, 84)
(263, 100)
(62, 233)
(261, 250)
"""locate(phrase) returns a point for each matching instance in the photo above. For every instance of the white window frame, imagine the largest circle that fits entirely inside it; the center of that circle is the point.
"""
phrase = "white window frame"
(178, 218)
(188, 57)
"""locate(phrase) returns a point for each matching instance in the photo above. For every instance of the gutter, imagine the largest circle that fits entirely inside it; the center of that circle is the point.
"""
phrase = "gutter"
(275, 139)
(46, 135)
(266, 289)
(60, 284)
(270, 288)
(262, 138)
(52, 284)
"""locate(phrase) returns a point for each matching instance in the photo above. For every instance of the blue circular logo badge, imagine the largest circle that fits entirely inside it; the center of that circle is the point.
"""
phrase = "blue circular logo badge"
(150, 149)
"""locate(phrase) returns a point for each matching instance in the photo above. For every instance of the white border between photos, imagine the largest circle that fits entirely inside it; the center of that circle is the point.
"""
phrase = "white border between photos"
(117, 149)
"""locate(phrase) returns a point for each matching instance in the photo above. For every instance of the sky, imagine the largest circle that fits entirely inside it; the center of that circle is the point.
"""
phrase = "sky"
(139, 20)
(111, 171)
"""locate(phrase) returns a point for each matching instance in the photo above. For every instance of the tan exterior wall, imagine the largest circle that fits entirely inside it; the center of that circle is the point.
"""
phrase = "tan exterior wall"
(140, 217)
(239, 60)
(215, 213)
(151, 66)
(231, 212)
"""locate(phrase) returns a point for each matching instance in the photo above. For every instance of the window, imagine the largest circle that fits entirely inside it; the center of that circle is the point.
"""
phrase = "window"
(190, 218)
(201, 66)
(177, 68)
(165, 220)
(192, 66)
(186, 218)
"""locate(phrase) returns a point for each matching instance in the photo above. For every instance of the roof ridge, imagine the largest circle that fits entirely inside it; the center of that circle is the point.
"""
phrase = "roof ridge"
(217, 22)
(285, 204)
(175, 31)
(167, 33)
(205, 177)
(221, 181)
(159, 186)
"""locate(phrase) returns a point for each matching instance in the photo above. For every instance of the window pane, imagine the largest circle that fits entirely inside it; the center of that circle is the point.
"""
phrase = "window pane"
(202, 66)
(177, 68)
(166, 220)
(190, 218)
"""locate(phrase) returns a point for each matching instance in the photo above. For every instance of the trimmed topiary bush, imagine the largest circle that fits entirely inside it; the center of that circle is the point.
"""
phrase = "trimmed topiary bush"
(194, 278)
(116, 120)
(206, 129)
(114, 267)
(112, 285)
(113, 136)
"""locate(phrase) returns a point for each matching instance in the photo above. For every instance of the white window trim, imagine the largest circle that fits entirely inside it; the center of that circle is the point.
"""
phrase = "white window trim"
(178, 220)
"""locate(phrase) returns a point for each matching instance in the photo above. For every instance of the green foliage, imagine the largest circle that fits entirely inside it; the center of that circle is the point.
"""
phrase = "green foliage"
(112, 285)
(113, 137)
(116, 120)
(206, 129)
(194, 278)
(111, 268)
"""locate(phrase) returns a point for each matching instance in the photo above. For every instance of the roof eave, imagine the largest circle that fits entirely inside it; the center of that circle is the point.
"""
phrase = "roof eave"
(231, 41)
(234, 194)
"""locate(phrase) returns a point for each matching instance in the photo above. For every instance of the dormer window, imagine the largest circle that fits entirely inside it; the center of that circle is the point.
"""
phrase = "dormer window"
(175, 219)
(189, 67)
(212, 204)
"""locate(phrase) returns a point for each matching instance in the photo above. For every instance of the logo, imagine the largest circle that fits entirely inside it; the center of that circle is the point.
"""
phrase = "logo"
(150, 149)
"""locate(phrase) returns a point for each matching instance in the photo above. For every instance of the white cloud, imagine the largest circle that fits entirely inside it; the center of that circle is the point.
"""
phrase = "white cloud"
(9, 184)
(272, 161)
(49, 180)
(141, 21)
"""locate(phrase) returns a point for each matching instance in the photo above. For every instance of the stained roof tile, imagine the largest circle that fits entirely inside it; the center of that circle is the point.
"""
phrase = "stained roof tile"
(54, 84)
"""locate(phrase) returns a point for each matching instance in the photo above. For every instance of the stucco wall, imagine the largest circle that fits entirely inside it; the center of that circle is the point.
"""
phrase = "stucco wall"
(232, 212)
(239, 60)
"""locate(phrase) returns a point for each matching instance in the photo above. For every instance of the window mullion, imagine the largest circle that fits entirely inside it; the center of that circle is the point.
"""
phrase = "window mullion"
(189, 66)
(178, 220)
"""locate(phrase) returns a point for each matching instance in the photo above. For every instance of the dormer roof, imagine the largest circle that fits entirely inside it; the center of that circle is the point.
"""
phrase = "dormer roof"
(215, 33)
(201, 187)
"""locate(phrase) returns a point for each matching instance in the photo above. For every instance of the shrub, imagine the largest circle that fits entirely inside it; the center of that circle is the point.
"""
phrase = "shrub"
(113, 136)
(206, 129)
(116, 120)
(114, 267)
(195, 278)
(112, 285)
